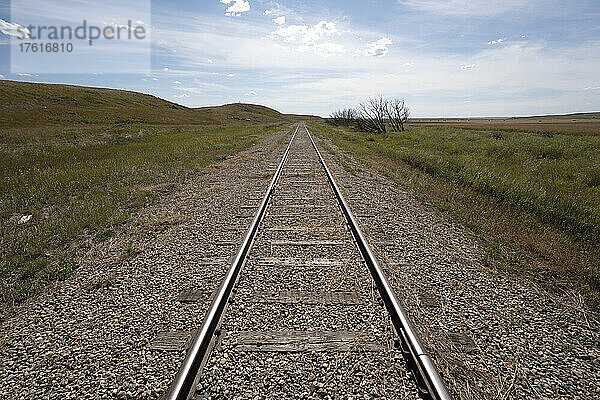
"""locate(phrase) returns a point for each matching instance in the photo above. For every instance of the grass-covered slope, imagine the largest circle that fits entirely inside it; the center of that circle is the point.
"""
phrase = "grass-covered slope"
(83, 160)
(42, 105)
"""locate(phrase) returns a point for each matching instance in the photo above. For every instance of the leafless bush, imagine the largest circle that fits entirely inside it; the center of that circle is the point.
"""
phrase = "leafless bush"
(346, 117)
(375, 115)
(397, 114)
(371, 115)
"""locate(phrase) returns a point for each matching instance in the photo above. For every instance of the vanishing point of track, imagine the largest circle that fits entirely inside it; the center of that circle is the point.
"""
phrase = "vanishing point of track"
(297, 314)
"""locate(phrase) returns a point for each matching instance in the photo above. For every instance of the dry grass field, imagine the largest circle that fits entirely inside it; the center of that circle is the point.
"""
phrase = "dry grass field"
(584, 123)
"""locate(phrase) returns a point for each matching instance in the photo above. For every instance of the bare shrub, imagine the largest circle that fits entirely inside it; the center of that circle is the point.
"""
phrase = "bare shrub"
(376, 115)
(397, 114)
(346, 117)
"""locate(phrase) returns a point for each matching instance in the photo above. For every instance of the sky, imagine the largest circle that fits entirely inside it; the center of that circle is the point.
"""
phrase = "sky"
(453, 58)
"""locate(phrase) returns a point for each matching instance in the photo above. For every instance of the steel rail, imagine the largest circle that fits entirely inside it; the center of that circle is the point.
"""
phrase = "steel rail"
(430, 383)
(182, 386)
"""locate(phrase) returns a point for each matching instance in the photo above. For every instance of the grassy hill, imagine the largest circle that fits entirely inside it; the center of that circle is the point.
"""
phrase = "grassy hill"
(28, 103)
(240, 111)
(80, 161)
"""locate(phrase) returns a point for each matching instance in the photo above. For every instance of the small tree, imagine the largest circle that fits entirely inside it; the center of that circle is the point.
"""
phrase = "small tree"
(374, 115)
(371, 115)
(346, 117)
(397, 114)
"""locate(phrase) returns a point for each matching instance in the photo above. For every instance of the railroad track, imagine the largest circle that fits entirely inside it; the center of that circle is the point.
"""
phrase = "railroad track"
(305, 310)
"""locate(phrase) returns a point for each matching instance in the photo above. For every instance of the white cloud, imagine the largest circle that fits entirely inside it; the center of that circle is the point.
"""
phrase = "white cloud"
(237, 8)
(307, 34)
(291, 33)
(378, 48)
(154, 79)
(177, 83)
(592, 88)
(311, 38)
(221, 74)
(181, 96)
(251, 93)
(22, 74)
(523, 36)
(202, 87)
(1, 76)
(409, 64)
(277, 10)
(279, 20)
(476, 8)
(166, 68)
(320, 30)
(210, 61)
(14, 29)
(497, 41)
(325, 49)
(467, 67)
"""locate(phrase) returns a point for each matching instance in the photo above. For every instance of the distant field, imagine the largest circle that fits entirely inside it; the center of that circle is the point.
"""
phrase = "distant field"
(81, 161)
(575, 123)
(537, 192)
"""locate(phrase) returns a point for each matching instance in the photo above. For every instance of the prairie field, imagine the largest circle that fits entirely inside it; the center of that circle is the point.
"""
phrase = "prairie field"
(580, 123)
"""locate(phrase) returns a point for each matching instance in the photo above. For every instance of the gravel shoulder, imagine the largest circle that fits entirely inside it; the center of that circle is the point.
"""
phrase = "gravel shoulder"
(92, 336)
(491, 335)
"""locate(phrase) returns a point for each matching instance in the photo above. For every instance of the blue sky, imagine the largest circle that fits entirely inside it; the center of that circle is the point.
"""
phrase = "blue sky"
(446, 58)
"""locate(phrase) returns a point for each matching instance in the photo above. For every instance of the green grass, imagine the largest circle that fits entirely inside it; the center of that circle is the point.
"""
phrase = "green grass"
(83, 177)
(70, 107)
(543, 188)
